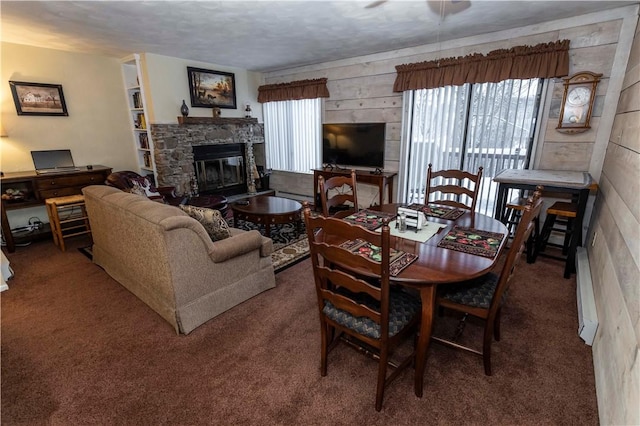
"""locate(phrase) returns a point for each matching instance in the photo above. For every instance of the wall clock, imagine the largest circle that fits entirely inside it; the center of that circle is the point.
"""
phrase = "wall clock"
(577, 102)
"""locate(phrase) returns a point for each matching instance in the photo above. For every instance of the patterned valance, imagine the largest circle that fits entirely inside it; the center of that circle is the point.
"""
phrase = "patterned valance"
(301, 89)
(544, 60)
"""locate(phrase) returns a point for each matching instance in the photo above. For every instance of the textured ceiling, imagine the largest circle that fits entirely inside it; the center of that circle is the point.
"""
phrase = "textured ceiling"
(268, 35)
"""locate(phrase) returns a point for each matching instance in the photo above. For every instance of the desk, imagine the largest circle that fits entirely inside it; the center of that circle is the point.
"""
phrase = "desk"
(436, 265)
(37, 188)
(575, 183)
(379, 179)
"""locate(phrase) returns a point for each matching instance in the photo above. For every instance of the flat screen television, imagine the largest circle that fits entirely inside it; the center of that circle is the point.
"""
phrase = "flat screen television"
(353, 144)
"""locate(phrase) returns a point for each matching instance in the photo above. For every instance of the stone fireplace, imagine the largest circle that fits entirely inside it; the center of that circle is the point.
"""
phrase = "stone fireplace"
(178, 149)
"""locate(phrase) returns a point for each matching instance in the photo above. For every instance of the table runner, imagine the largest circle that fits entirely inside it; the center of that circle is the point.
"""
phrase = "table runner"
(473, 241)
(398, 259)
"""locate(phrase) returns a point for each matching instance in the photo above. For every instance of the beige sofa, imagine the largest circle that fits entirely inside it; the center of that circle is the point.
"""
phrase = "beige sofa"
(168, 260)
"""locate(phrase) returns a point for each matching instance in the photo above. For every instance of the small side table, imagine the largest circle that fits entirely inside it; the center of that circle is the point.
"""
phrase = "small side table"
(70, 225)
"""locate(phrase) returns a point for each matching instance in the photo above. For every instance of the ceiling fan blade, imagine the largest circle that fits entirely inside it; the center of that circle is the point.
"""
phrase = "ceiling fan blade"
(448, 7)
(375, 4)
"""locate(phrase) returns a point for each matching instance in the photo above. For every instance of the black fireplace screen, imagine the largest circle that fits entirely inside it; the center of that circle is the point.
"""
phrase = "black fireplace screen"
(220, 168)
(220, 173)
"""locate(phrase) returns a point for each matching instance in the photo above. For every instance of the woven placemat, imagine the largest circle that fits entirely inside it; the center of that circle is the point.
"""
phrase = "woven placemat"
(398, 258)
(369, 219)
(473, 241)
(435, 210)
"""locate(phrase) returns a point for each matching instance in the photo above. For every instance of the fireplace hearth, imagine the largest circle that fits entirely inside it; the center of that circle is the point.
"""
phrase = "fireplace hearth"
(220, 169)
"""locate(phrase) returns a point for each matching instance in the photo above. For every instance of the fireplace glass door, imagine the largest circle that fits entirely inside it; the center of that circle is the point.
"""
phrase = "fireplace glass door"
(220, 173)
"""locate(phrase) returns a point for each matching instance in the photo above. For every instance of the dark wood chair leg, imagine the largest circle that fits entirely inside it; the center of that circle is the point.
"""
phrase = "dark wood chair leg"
(382, 377)
(324, 335)
(546, 232)
(486, 348)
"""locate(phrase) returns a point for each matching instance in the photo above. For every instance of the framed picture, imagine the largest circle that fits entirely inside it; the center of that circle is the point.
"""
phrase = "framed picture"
(209, 89)
(38, 98)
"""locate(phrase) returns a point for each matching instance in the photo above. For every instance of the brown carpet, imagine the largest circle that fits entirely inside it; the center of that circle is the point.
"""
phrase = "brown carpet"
(77, 348)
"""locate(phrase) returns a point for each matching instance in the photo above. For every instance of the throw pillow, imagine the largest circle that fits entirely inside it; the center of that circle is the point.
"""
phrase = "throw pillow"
(211, 219)
(143, 184)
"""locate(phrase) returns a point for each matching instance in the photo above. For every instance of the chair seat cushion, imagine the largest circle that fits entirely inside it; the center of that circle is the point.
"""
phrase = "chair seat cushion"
(403, 307)
(477, 292)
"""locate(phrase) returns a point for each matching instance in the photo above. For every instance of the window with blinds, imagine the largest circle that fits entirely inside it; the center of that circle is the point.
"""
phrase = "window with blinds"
(464, 127)
(292, 132)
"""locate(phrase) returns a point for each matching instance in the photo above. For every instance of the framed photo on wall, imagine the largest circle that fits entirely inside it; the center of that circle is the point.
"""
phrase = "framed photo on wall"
(38, 98)
(209, 89)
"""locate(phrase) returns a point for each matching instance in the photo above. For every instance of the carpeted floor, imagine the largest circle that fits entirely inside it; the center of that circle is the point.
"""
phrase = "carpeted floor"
(78, 348)
(289, 244)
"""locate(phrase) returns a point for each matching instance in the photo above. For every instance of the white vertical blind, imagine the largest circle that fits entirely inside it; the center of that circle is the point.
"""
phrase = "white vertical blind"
(465, 127)
(436, 135)
(292, 133)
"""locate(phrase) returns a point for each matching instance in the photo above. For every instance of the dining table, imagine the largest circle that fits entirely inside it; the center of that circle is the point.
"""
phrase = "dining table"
(437, 265)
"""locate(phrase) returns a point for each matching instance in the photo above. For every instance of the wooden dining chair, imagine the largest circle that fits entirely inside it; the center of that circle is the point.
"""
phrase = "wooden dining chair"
(355, 301)
(511, 218)
(485, 296)
(342, 190)
(455, 188)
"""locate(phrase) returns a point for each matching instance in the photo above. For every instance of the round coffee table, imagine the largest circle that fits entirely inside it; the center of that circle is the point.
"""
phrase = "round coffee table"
(268, 210)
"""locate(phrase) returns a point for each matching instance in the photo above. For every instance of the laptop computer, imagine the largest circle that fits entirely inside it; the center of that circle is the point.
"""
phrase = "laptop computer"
(53, 161)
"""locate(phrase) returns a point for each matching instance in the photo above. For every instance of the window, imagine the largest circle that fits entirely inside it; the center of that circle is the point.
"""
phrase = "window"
(464, 127)
(292, 132)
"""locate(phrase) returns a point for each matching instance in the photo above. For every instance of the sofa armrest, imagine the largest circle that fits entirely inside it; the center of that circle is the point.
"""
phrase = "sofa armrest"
(236, 245)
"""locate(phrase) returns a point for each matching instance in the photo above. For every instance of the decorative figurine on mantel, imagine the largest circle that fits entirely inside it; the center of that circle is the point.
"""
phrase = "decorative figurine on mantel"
(247, 111)
(184, 109)
(216, 112)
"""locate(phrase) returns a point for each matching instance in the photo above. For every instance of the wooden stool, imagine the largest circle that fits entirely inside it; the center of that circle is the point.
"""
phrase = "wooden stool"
(568, 213)
(70, 225)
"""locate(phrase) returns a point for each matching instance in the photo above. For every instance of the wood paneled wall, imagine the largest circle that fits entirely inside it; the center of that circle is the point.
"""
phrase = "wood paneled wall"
(615, 259)
(361, 90)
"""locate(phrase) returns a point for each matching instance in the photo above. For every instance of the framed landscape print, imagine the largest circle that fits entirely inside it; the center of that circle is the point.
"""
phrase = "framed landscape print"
(38, 98)
(209, 89)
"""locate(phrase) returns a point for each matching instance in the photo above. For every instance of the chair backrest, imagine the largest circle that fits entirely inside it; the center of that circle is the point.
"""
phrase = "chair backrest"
(345, 191)
(344, 278)
(524, 230)
(457, 188)
(129, 181)
(122, 179)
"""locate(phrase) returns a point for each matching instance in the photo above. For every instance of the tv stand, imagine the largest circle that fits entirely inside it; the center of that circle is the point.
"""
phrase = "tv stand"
(377, 177)
(333, 166)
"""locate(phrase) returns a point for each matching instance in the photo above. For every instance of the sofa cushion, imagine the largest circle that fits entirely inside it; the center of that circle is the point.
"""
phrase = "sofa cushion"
(211, 219)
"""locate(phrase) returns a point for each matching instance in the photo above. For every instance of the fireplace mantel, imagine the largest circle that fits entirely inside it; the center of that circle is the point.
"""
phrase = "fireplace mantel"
(218, 121)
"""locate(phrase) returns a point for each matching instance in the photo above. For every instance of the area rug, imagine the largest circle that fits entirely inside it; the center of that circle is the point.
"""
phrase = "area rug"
(289, 246)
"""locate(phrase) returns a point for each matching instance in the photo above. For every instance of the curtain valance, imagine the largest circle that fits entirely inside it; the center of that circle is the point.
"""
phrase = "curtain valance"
(301, 89)
(544, 60)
